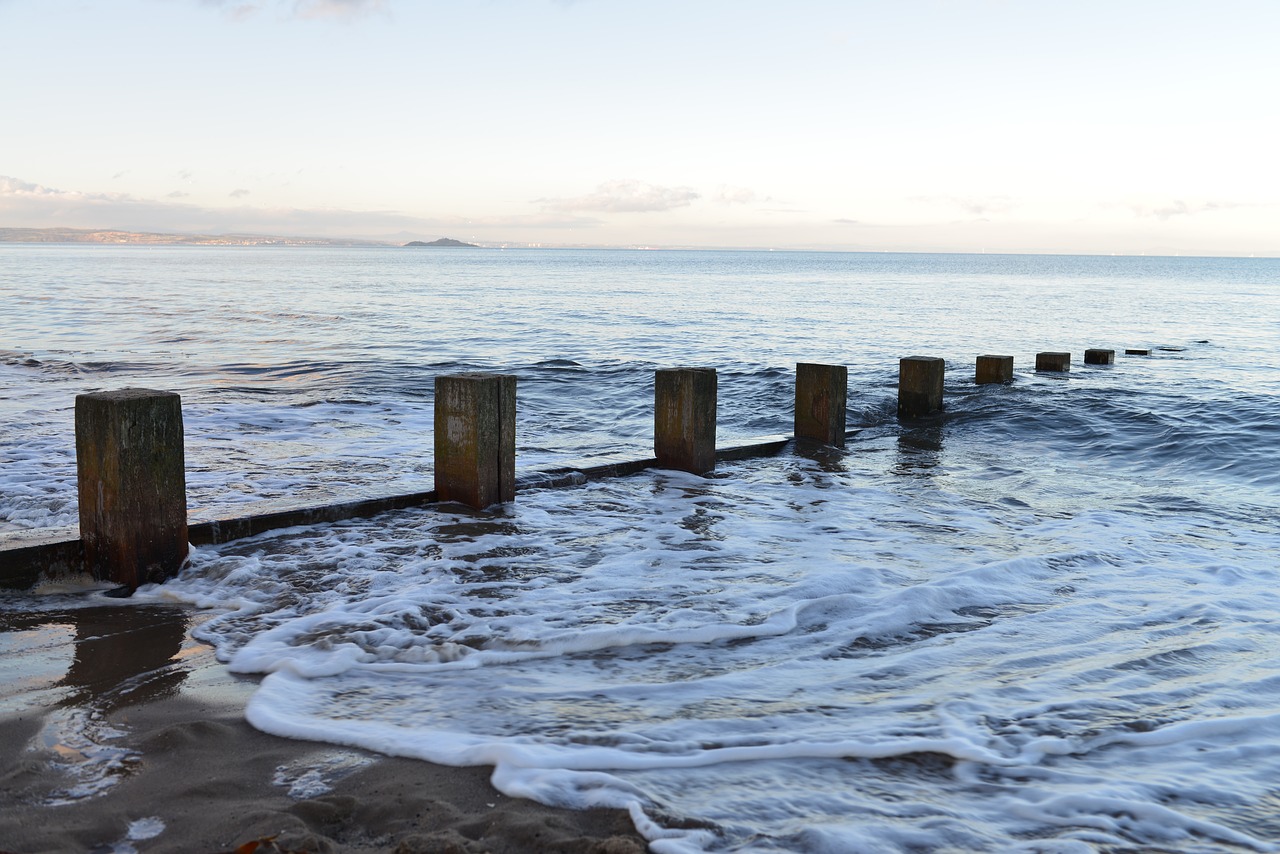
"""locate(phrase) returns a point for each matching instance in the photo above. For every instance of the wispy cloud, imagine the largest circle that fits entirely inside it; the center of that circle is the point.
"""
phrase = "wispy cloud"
(240, 10)
(1180, 208)
(16, 188)
(624, 197)
(727, 195)
(238, 194)
(24, 204)
(337, 8)
(974, 205)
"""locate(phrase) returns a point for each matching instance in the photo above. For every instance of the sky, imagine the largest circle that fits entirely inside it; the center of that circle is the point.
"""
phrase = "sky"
(1089, 126)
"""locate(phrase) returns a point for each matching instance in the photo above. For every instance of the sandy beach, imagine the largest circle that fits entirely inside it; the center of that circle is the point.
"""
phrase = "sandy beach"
(118, 733)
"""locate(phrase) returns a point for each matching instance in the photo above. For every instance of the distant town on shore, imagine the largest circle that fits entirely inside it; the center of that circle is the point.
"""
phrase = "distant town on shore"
(144, 238)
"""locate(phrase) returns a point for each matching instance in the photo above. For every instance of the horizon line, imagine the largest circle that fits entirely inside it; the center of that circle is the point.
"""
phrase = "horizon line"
(258, 240)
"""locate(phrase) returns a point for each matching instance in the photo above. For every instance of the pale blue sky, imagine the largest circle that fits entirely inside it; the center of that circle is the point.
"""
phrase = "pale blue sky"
(1004, 125)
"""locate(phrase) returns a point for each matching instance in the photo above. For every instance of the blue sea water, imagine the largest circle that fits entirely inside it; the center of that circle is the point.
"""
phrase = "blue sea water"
(1043, 621)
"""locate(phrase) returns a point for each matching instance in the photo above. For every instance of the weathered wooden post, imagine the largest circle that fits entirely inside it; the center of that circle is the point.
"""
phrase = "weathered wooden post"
(475, 425)
(1135, 351)
(1053, 362)
(821, 395)
(919, 385)
(994, 369)
(1099, 357)
(132, 485)
(684, 419)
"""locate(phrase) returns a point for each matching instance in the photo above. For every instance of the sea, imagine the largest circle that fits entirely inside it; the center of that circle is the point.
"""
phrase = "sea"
(1045, 620)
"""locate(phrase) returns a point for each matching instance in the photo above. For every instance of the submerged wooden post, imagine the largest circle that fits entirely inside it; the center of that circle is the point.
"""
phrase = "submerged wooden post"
(1099, 357)
(821, 393)
(684, 419)
(475, 425)
(1053, 361)
(919, 385)
(994, 369)
(132, 484)
(1134, 351)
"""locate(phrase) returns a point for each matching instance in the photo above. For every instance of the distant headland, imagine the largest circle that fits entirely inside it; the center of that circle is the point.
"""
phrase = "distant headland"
(443, 241)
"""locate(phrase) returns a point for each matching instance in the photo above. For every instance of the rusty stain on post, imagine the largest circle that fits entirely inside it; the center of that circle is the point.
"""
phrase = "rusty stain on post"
(132, 485)
(475, 438)
(684, 419)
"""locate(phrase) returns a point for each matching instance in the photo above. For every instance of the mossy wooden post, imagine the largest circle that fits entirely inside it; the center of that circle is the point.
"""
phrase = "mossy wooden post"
(1059, 362)
(475, 425)
(1099, 357)
(919, 385)
(994, 369)
(684, 419)
(821, 393)
(132, 484)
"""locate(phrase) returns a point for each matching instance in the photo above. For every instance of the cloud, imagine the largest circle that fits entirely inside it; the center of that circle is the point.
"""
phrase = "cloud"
(177, 194)
(27, 205)
(977, 206)
(843, 221)
(624, 197)
(238, 194)
(15, 188)
(728, 195)
(337, 8)
(301, 9)
(1181, 208)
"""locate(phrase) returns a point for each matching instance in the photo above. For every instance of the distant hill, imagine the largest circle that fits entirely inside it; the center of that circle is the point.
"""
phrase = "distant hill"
(89, 235)
(444, 241)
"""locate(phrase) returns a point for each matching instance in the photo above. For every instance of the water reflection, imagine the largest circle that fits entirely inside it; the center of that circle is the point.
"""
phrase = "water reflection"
(919, 448)
(119, 656)
(828, 459)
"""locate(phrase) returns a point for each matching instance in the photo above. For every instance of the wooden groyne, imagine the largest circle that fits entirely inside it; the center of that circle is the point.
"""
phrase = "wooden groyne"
(131, 482)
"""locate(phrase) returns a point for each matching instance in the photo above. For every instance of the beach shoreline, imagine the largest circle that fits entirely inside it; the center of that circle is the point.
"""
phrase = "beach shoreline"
(124, 753)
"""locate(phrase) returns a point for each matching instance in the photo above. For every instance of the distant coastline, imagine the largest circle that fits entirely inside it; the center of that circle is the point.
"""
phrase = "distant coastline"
(118, 237)
(145, 238)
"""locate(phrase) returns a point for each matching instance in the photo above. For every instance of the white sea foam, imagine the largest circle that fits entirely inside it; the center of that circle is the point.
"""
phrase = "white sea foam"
(315, 776)
(78, 742)
(145, 828)
(791, 654)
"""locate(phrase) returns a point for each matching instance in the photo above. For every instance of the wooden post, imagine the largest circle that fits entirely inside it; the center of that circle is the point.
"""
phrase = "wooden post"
(1137, 352)
(821, 392)
(1053, 361)
(919, 385)
(994, 369)
(1099, 357)
(132, 483)
(475, 424)
(684, 419)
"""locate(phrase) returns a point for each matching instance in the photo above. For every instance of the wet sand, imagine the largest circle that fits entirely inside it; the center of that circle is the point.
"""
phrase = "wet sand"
(118, 733)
